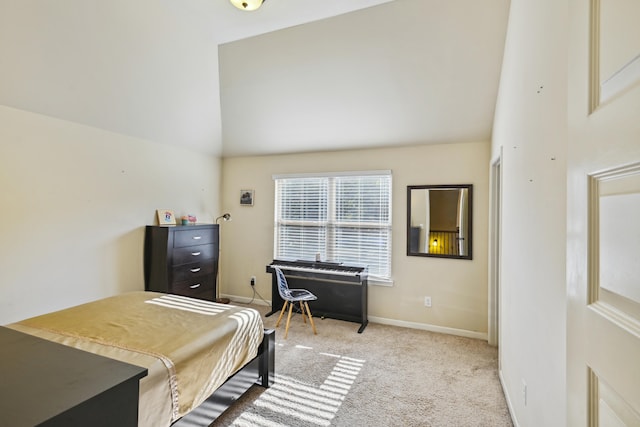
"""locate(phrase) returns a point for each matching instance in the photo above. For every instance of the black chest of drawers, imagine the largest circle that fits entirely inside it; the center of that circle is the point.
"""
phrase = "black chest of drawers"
(182, 260)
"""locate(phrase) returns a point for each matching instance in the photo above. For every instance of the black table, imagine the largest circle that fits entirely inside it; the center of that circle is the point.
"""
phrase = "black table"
(43, 383)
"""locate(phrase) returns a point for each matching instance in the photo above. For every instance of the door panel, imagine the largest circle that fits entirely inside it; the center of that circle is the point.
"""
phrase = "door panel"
(614, 48)
(603, 208)
(610, 409)
(614, 249)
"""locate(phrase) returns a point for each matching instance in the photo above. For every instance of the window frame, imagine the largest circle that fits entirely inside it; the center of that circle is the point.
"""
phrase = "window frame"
(331, 224)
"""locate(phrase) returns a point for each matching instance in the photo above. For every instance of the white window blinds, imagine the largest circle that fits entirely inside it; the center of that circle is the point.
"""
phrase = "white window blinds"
(343, 217)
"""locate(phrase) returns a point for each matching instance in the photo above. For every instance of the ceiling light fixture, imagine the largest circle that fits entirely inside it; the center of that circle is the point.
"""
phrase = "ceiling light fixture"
(247, 5)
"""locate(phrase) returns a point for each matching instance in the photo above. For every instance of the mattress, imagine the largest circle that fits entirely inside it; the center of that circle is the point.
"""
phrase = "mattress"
(190, 347)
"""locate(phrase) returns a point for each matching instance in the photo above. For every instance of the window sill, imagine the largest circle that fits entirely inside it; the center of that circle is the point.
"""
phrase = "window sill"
(380, 282)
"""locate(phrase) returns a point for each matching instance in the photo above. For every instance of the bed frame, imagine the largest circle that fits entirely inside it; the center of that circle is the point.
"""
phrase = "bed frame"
(260, 370)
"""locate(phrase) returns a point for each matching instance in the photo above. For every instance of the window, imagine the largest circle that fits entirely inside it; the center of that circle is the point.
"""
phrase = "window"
(344, 217)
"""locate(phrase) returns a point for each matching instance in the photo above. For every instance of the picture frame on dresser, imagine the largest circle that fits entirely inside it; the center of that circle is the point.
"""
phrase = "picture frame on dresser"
(166, 217)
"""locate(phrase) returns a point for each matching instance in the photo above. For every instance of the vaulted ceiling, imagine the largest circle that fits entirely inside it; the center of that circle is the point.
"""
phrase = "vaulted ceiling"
(296, 75)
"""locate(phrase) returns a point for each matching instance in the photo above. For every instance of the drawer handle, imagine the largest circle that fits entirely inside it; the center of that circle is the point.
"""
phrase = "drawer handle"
(195, 253)
(197, 237)
(197, 285)
(195, 270)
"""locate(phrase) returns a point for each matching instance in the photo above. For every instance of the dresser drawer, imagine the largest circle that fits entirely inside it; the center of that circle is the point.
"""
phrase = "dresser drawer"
(190, 254)
(196, 236)
(200, 287)
(192, 271)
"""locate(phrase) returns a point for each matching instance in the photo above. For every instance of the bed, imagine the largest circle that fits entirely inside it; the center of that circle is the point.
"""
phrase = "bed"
(191, 348)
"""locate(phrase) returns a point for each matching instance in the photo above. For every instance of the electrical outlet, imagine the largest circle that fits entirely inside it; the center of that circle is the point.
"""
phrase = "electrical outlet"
(427, 301)
(253, 280)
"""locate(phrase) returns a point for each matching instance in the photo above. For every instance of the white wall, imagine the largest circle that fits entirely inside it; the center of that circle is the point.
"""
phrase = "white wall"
(458, 287)
(531, 128)
(145, 68)
(75, 201)
(372, 78)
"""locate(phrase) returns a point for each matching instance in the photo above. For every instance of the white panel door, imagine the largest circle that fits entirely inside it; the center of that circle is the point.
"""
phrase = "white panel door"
(603, 223)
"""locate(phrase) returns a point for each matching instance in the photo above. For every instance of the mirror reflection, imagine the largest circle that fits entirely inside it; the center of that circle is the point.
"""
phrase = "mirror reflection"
(439, 220)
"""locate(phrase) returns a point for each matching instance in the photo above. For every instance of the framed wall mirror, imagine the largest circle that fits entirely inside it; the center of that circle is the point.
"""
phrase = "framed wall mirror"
(439, 221)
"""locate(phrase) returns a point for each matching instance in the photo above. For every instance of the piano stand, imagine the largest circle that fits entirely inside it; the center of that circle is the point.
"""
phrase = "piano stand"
(272, 312)
(340, 296)
(364, 325)
(360, 329)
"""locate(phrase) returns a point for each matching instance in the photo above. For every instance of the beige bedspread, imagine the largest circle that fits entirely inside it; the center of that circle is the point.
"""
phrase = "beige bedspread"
(190, 347)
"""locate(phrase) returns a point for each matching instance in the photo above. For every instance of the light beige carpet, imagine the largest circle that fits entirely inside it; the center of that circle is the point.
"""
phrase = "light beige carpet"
(386, 376)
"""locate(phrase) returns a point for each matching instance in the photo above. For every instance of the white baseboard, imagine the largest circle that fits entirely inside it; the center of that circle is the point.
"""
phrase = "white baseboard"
(431, 328)
(385, 321)
(245, 300)
(509, 404)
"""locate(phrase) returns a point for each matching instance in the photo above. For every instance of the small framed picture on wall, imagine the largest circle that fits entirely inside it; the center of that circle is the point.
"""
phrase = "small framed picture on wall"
(246, 197)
